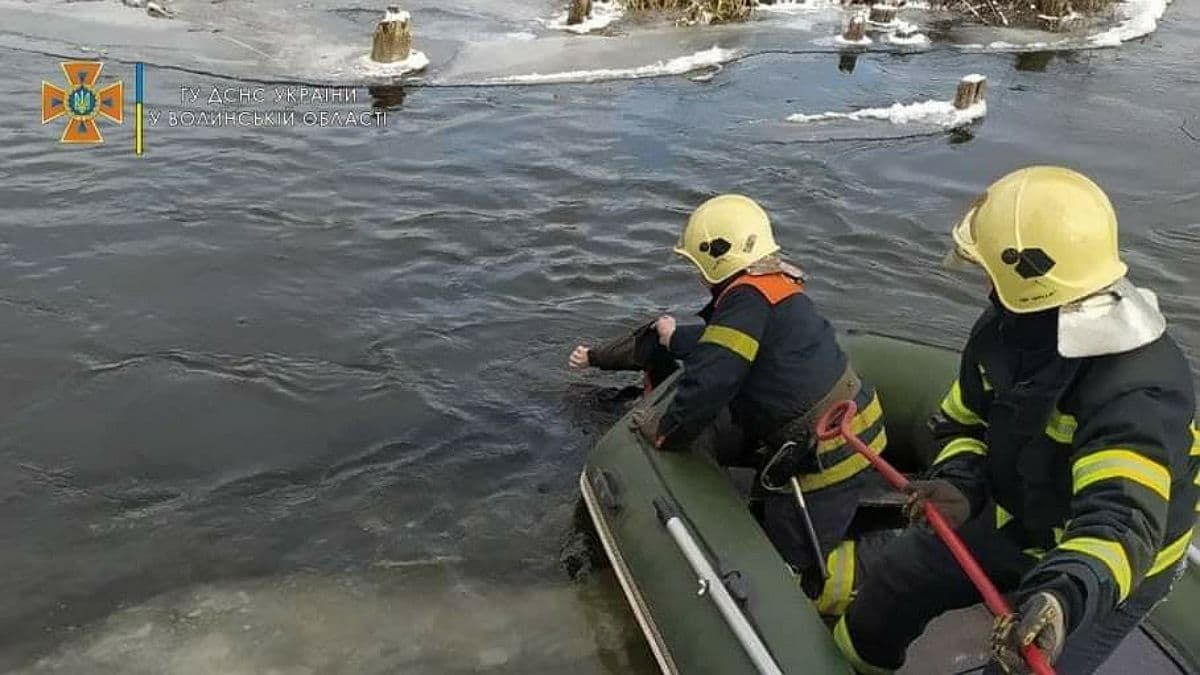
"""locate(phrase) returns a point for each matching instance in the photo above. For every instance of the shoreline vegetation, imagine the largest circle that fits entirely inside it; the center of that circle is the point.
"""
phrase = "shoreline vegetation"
(1051, 15)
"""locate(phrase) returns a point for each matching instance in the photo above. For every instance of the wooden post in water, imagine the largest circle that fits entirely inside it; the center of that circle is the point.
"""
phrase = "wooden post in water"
(393, 37)
(883, 14)
(856, 30)
(971, 90)
(580, 10)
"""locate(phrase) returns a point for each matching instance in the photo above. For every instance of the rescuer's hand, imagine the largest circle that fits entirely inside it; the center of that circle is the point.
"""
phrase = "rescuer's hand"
(949, 500)
(1040, 621)
(665, 327)
(579, 357)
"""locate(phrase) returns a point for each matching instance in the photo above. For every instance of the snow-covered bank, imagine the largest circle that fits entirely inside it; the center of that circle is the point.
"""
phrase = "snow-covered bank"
(1137, 18)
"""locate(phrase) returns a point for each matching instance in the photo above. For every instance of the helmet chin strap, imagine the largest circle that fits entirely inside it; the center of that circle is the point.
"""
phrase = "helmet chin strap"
(1118, 319)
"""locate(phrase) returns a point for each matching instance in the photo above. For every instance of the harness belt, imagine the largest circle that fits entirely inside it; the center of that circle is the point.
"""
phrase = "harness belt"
(792, 449)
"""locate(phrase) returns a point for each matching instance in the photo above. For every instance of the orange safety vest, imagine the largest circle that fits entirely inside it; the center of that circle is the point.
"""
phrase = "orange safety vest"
(775, 287)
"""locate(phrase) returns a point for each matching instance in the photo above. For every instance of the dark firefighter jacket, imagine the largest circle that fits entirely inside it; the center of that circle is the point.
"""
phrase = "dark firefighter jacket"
(765, 352)
(1090, 463)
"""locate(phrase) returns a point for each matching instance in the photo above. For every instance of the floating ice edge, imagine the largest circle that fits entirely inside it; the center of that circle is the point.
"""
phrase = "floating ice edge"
(933, 113)
(676, 66)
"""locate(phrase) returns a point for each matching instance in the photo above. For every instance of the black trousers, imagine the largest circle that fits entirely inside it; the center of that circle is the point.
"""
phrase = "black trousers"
(832, 510)
(918, 579)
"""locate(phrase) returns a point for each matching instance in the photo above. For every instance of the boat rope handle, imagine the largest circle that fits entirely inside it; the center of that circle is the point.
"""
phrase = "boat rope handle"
(835, 422)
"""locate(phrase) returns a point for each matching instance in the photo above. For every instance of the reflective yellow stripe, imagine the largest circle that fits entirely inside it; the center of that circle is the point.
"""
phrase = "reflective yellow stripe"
(841, 636)
(1121, 465)
(865, 418)
(959, 446)
(1061, 427)
(983, 378)
(1002, 517)
(958, 411)
(844, 469)
(732, 339)
(1108, 552)
(839, 587)
(1171, 554)
(1040, 553)
(1195, 440)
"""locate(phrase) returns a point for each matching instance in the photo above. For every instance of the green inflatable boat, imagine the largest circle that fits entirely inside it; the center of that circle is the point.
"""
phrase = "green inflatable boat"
(712, 595)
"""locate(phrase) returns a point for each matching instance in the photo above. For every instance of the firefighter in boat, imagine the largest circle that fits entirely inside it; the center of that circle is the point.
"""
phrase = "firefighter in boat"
(1067, 451)
(767, 361)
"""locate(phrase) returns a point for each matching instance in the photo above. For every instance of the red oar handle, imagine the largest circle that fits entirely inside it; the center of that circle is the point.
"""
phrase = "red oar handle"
(836, 422)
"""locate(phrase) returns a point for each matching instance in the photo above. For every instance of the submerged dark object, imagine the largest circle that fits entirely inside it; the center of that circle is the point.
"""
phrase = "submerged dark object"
(624, 479)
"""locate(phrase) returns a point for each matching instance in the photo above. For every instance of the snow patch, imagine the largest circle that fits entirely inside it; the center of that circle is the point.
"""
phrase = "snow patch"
(906, 33)
(932, 113)
(1140, 17)
(907, 40)
(677, 66)
(398, 15)
(372, 69)
(603, 14)
(839, 40)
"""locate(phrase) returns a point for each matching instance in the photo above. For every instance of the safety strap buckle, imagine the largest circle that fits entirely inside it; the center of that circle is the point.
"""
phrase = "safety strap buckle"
(788, 461)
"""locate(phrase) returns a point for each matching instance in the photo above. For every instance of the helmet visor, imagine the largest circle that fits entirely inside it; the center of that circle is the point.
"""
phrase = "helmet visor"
(961, 256)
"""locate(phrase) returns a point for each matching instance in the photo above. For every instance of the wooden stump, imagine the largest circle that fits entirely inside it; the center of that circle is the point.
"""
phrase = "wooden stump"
(971, 90)
(883, 14)
(393, 39)
(579, 11)
(856, 30)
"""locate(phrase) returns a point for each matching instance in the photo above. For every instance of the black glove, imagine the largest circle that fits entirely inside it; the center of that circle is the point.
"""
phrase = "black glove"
(1040, 621)
(949, 500)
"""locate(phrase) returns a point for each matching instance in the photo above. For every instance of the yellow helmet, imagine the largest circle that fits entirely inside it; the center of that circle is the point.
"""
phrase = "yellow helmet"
(725, 235)
(1046, 236)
